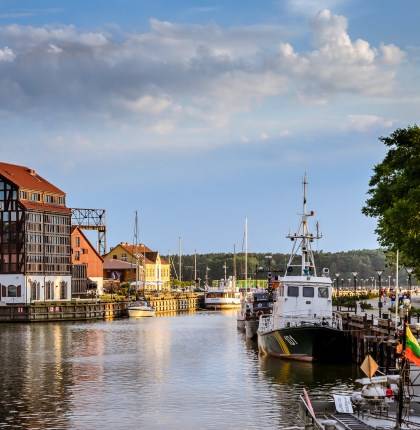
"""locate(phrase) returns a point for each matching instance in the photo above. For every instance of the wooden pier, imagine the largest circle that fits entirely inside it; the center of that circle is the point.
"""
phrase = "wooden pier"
(62, 311)
(374, 336)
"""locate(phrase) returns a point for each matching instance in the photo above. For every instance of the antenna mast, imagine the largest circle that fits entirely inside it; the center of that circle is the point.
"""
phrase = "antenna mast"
(302, 240)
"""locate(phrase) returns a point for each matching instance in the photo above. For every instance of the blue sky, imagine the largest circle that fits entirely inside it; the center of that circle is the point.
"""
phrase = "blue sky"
(198, 114)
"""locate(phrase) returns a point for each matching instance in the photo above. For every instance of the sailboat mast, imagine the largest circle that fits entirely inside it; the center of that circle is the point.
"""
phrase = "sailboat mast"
(234, 261)
(179, 259)
(195, 267)
(246, 253)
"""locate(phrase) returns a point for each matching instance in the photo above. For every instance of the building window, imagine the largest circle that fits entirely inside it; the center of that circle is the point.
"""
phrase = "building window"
(11, 291)
(63, 290)
(23, 195)
(36, 197)
(35, 290)
(77, 255)
(77, 241)
(124, 257)
(49, 290)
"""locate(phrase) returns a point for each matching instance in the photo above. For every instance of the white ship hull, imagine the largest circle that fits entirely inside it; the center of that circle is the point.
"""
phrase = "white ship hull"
(140, 312)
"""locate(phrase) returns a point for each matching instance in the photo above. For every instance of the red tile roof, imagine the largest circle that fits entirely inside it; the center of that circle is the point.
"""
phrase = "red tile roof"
(135, 249)
(27, 178)
(44, 207)
(114, 264)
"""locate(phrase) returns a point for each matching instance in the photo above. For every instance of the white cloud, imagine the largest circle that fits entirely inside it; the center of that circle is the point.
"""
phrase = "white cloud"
(311, 7)
(392, 54)
(54, 49)
(364, 123)
(191, 81)
(149, 104)
(7, 55)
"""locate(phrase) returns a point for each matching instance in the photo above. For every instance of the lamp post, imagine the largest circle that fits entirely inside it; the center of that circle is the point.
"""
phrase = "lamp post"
(269, 257)
(379, 272)
(355, 290)
(337, 280)
(409, 271)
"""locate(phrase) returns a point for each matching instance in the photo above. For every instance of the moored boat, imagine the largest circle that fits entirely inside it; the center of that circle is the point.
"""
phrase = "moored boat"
(224, 296)
(140, 309)
(259, 303)
(303, 325)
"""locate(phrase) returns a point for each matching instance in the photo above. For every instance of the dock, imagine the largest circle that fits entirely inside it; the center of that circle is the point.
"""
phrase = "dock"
(372, 335)
(63, 311)
(175, 302)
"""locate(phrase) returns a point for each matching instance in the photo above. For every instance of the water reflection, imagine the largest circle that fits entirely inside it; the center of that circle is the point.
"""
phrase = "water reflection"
(179, 372)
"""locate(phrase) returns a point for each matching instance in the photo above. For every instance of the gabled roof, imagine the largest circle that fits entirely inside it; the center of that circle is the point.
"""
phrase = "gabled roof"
(27, 178)
(75, 227)
(135, 249)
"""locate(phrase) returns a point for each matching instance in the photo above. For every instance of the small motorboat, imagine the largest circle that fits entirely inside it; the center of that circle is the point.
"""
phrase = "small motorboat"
(140, 309)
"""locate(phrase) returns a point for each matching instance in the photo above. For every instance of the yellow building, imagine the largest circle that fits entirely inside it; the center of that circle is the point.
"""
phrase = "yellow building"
(157, 275)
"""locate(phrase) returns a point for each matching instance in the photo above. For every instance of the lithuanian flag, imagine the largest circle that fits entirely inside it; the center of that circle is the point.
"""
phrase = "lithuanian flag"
(412, 347)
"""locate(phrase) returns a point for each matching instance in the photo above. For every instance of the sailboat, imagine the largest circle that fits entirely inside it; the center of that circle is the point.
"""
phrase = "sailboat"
(138, 308)
(302, 325)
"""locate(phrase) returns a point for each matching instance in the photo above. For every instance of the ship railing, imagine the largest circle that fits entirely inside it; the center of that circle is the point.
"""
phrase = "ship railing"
(298, 320)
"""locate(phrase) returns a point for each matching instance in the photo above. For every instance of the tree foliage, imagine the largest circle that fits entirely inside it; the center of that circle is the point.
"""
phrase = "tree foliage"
(365, 262)
(394, 195)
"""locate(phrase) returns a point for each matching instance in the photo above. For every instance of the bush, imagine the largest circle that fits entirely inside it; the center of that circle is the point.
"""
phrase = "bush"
(364, 306)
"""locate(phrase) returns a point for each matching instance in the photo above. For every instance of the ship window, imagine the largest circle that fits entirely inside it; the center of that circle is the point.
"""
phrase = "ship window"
(293, 291)
(308, 291)
(323, 292)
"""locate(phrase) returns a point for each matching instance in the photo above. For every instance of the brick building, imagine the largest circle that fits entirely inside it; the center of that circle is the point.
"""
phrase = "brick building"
(87, 265)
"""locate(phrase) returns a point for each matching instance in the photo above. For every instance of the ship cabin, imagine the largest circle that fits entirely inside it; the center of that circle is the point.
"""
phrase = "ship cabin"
(303, 299)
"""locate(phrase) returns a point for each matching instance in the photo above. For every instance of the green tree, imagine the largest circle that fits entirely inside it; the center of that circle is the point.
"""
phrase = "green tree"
(395, 195)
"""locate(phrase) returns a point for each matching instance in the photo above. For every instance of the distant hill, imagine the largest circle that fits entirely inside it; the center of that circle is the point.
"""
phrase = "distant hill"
(365, 261)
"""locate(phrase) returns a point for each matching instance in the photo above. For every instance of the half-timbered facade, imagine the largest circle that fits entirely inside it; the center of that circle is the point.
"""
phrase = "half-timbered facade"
(35, 247)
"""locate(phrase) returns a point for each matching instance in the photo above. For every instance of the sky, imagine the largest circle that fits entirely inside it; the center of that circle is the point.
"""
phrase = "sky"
(201, 113)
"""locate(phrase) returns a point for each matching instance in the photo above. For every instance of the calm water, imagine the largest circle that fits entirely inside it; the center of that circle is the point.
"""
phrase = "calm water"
(178, 372)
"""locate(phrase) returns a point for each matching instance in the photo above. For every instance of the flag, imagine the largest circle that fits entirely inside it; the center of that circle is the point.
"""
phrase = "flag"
(412, 347)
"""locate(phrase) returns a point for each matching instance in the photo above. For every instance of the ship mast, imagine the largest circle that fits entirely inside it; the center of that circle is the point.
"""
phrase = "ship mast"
(302, 241)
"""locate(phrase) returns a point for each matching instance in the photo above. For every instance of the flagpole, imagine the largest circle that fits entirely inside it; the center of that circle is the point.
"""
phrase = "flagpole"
(397, 295)
(403, 368)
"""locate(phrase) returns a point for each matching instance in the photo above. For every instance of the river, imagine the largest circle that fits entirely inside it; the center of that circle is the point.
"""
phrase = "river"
(192, 371)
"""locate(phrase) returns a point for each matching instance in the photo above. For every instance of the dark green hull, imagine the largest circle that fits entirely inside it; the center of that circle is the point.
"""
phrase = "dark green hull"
(307, 343)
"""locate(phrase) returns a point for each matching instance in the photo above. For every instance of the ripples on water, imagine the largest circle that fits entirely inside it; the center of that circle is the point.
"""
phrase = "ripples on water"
(184, 372)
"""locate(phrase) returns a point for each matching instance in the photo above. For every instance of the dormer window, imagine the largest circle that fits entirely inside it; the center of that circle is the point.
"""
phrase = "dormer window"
(23, 195)
(36, 197)
(49, 199)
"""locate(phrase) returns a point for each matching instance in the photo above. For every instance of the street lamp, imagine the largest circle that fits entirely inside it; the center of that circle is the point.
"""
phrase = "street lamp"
(379, 272)
(337, 279)
(355, 290)
(409, 271)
